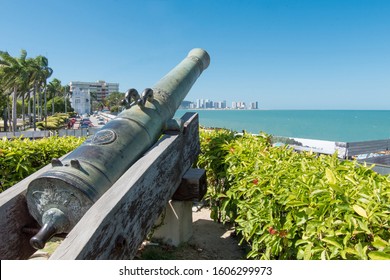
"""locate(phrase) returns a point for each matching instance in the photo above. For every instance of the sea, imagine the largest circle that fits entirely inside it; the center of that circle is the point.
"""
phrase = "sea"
(330, 125)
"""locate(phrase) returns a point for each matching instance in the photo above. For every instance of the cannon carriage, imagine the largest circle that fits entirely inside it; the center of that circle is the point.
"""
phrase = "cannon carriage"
(108, 192)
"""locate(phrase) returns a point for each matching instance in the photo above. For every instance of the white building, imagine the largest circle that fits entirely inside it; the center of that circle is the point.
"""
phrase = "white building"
(199, 103)
(100, 89)
(81, 101)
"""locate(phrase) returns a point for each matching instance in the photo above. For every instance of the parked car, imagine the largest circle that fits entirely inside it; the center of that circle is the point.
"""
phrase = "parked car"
(85, 120)
(84, 125)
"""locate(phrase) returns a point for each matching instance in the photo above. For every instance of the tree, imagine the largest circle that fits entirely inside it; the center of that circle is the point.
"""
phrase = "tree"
(54, 88)
(58, 103)
(3, 106)
(66, 93)
(95, 104)
(115, 99)
(43, 73)
(13, 76)
(40, 73)
(19, 75)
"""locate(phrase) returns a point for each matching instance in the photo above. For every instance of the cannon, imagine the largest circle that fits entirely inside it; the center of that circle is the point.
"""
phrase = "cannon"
(59, 197)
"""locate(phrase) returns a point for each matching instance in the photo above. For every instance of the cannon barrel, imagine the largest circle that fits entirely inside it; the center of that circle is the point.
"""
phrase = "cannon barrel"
(58, 198)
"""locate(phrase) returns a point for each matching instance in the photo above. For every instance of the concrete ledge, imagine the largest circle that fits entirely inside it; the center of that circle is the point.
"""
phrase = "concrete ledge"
(176, 222)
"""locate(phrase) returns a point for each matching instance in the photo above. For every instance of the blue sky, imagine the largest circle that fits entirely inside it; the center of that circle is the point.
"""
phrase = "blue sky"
(301, 54)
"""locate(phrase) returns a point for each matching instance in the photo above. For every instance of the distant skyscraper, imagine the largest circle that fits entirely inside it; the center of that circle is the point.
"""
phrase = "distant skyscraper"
(255, 105)
(240, 105)
(198, 103)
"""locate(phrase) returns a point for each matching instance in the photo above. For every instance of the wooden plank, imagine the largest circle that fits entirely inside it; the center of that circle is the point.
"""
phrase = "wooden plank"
(366, 147)
(116, 225)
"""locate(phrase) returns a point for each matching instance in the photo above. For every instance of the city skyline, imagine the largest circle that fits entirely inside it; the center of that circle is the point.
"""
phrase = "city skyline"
(205, 103)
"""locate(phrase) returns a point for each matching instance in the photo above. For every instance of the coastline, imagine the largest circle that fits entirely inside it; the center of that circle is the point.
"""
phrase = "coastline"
(266, 109)
(330, 125)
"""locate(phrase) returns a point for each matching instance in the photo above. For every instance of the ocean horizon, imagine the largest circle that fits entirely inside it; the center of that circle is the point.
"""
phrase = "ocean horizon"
(331, 125)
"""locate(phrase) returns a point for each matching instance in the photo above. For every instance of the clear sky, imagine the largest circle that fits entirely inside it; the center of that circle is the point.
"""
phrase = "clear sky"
(297, 54)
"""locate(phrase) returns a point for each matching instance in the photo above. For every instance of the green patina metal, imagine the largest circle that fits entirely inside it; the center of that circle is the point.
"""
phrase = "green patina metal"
(60, 197)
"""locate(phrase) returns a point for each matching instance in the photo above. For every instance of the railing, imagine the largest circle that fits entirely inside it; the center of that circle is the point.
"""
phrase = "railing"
(27, 134)
(371, 152)
(81, 132)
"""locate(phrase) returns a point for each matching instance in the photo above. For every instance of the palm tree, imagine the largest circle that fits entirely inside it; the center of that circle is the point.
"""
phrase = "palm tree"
(54, 88)
(13, 75)
(93, 98)
(3, 106)
(40, 73)
(18, 75)
(25, 92)
(66, 95)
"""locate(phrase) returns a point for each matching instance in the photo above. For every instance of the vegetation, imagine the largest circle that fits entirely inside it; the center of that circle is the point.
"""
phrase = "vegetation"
(21, 157)
(54, 122)
(25, 79)
(289, 205)
(114, 100)
(284, 204)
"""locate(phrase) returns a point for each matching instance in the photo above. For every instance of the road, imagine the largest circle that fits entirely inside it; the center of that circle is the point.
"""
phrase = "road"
(94, 121)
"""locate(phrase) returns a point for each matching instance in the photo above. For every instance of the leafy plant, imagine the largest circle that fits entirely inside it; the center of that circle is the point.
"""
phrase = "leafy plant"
(290, 205)
(53, 122)
(21, 157)
(212, 143)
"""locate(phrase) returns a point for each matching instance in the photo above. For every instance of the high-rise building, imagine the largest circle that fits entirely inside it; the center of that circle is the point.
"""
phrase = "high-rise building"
(99, 90)
(208, 104)
(199, 103)
(255, 105)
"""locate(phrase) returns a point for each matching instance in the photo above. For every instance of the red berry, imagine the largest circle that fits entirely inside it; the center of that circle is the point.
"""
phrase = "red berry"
(272, 231)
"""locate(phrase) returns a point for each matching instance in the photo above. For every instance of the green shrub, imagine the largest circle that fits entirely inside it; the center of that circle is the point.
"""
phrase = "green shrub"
(211, 159)
(54, 122)
(21, 157)
(290, 205)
